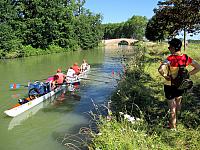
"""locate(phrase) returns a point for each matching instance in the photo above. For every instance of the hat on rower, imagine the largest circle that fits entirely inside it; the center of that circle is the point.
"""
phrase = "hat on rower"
(59, 70)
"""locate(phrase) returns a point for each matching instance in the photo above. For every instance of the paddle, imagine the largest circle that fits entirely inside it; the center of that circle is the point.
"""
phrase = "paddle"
(16, 86)
(101, 76)
(94, 80)
(107, 77)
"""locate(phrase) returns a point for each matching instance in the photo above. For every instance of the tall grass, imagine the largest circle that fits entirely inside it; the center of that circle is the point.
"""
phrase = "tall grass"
(140, 94)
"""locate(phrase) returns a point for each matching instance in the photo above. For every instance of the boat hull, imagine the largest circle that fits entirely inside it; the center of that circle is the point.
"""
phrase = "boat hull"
(22, 108)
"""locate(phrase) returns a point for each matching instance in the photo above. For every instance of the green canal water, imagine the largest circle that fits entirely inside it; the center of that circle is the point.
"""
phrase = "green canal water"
(44, 126)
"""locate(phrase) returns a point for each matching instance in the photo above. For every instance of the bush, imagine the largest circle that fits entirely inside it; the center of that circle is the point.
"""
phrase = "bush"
(30, 51)
(12, 54)
(54, 49)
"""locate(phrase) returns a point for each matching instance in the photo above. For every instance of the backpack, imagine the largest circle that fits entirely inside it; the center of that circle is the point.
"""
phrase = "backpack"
(182, 81)
(37, 89)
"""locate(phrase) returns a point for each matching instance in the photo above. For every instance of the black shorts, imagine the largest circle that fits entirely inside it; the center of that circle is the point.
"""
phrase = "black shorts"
(172, 92)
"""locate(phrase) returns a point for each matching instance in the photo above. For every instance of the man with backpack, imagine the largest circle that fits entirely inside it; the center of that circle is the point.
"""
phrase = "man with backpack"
(176, 77)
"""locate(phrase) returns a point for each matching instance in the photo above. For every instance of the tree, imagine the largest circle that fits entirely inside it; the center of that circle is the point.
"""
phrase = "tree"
(135, 27)
(113, 30)
(41, 23)
(132, 28)
(154, 30)
(179, 15)
(8, 39)
(88, 29)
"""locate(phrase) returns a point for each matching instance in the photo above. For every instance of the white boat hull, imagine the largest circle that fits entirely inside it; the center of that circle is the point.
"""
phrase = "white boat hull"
(22, 108)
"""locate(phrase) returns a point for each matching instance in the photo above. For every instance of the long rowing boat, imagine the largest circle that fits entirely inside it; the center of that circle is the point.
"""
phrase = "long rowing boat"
(16, 110)
(19, 119)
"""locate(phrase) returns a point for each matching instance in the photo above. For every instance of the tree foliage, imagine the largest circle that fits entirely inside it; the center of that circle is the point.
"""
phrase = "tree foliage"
(41, 23)
(155, 29)
(132, 28)
(113, 30)
(135, 27)
(173, 16)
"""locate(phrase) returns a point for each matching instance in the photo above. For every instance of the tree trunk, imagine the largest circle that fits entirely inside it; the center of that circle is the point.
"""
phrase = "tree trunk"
(184, 38)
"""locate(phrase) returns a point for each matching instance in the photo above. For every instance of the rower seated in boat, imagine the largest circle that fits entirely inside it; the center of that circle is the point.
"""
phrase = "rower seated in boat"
(53, 82)
(76, 68)
(61, 76)
(84, 65)
(71, 75)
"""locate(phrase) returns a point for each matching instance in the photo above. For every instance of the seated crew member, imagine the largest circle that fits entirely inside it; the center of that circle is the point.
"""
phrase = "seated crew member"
(61, 76)
(84, 65)
(71, 73)
(76, 68)
(53, 81)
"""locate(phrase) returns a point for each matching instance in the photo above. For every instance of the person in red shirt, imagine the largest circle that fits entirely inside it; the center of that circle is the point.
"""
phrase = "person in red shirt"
(76, 68)
(169, 70)
(61, 76)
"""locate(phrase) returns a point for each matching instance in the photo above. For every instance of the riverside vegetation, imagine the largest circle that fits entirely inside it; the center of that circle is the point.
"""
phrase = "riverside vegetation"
(140, 95)
(37, 27)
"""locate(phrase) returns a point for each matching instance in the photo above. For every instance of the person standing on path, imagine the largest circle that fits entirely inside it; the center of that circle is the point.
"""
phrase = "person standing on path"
(171, 64)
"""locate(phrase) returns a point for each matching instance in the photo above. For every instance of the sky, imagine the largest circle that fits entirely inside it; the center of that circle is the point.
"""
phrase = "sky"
(116, 11)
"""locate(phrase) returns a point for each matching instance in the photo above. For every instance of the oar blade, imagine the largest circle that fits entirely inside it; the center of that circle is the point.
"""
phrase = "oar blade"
(14, 86)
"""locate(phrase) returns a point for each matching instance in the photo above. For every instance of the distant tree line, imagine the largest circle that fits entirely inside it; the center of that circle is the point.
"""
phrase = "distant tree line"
(194, 41)
(173, 16)
(33, 27)
(132, 28)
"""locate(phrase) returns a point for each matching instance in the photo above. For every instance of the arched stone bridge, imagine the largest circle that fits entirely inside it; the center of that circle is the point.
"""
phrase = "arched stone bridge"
(114, 42)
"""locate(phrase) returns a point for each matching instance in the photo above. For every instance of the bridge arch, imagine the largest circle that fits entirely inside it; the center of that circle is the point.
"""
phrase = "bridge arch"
(123, 42)
(115, 42)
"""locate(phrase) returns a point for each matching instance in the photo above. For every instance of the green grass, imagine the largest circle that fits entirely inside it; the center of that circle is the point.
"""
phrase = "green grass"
(141, 95)
(126, 136)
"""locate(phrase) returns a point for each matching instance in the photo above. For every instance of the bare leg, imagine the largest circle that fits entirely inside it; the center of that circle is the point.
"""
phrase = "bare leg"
(172, 107)
(178, 103)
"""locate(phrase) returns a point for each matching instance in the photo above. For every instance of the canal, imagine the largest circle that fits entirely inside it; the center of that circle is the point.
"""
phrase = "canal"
(43, 127)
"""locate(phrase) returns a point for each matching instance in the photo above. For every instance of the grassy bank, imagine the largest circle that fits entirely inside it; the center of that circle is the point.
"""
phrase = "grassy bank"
(140, 95)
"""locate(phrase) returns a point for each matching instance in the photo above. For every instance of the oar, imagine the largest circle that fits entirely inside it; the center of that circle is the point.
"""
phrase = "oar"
(16, 86)
(102, 76)
(94, 80)
(107, 77)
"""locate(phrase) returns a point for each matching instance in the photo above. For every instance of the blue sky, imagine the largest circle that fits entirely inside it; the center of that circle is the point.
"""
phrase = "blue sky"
(116, 11)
